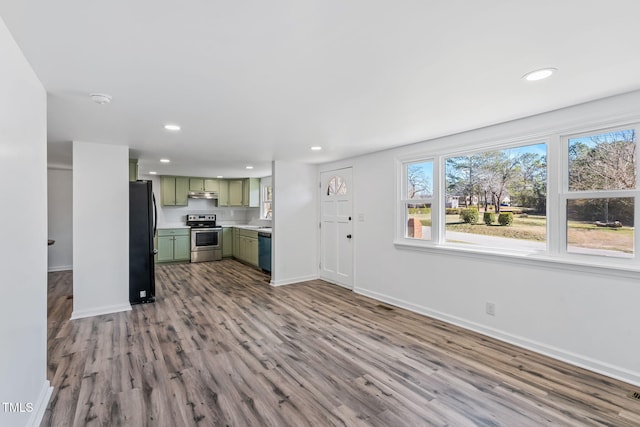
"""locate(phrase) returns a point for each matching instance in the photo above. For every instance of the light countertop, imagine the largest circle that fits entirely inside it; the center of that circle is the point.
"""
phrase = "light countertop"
(261, 229)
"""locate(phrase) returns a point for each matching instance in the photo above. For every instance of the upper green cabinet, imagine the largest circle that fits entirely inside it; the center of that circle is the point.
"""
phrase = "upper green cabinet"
(251, 193)
(204, 184)
(133, 169)
(174, 190)
(235, 192)
(223, 194)
(241, 192)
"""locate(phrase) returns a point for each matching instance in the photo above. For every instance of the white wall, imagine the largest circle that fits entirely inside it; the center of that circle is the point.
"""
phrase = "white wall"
(100, 229)
(60, 219)
(295, 223)
(582, 315)
(23, 253)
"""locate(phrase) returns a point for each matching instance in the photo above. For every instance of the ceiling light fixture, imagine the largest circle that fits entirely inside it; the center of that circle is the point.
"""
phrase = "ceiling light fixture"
(540, 74)
(165, 161)
(219, 176)
(172, 127)
(100, 98)
(316, 148)
(153, 173)
(249, 167)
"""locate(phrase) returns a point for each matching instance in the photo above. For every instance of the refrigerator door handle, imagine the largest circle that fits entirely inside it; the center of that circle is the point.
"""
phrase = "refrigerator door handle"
(155, 215)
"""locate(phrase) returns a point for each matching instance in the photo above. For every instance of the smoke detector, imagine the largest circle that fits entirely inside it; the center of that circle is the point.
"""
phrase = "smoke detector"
(100, 98)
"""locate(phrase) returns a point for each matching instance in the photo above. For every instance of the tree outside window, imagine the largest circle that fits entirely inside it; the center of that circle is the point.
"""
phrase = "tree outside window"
(498, 194)
(601, 186)
(418, 190)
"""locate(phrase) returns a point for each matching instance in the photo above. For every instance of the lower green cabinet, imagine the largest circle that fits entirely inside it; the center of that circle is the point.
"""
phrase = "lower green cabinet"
(236, 242)
(174, 244)
(248, 246)
(227, 242)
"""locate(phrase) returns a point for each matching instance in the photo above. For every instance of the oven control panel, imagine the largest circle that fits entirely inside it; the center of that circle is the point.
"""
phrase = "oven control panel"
(195, 218)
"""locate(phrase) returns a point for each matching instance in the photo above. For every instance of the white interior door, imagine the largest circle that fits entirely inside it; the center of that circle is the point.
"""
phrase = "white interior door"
(336, 227)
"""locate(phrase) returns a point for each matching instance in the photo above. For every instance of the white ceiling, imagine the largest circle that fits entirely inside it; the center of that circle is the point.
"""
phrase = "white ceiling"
(251, 81)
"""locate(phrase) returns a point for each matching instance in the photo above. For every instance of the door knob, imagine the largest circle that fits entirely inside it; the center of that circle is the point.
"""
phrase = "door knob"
(348, 236)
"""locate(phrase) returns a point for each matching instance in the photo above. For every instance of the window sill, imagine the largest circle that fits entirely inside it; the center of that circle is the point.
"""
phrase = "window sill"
(625, 268)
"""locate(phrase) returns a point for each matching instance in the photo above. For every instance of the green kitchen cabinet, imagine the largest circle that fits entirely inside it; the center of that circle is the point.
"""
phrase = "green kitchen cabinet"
(133, 169)
(227, 242)
(235, 192)
(248, 246)
(236, 243)
(251, 193)
(174, 244)
(203, 184)
(211, 184)
(196, 184)
(223, 193)
(174, 190)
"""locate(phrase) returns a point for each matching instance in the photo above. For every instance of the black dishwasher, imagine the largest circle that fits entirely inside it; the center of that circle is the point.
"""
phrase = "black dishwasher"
(264, 251)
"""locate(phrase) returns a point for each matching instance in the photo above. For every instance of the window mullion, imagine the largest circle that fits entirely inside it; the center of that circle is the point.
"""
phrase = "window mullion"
(556, 201)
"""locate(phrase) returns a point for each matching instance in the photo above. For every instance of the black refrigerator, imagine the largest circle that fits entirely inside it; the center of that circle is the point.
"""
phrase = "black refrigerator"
(142, 229)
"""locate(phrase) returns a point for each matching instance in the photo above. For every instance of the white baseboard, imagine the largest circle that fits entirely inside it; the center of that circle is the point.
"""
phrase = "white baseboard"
(342, 285)
(40, 405)
(98, 311)
(292, 280)
(60, 268)
(581, 361)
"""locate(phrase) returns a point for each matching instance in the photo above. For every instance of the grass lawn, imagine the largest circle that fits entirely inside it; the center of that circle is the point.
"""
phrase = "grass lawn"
(534, 227)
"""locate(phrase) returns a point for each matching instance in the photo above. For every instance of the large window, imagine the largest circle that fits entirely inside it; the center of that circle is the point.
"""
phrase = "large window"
(601, 193)
(570, 196)
(498, 198)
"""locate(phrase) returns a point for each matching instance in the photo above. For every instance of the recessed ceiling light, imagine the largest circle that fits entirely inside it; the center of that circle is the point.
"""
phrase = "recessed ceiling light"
(316, 148)
(153, 173)
(100, 98)
(249, 167)
(540, 74)
(219, 176)
(172, 127)
(165, 161)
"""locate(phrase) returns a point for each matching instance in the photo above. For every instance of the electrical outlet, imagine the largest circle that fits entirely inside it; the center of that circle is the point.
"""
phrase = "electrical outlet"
(491, 309)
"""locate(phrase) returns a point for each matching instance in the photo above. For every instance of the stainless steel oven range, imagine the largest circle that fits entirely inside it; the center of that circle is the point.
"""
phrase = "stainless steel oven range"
(206, 238)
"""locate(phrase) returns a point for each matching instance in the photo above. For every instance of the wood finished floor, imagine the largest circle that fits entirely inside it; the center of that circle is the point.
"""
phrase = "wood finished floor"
(222, 348)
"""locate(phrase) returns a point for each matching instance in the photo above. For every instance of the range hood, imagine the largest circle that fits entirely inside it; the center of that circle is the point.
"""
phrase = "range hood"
(203, 195)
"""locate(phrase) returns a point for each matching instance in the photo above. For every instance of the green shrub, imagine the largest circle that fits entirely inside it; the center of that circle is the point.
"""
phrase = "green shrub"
(419, 211)
(505, 218)
(489, 218)
(469, 215)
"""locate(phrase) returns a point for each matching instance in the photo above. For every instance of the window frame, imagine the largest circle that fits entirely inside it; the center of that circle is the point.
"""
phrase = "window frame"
(556, 254)
(565, 194)
(264, 184)
(405, 201)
